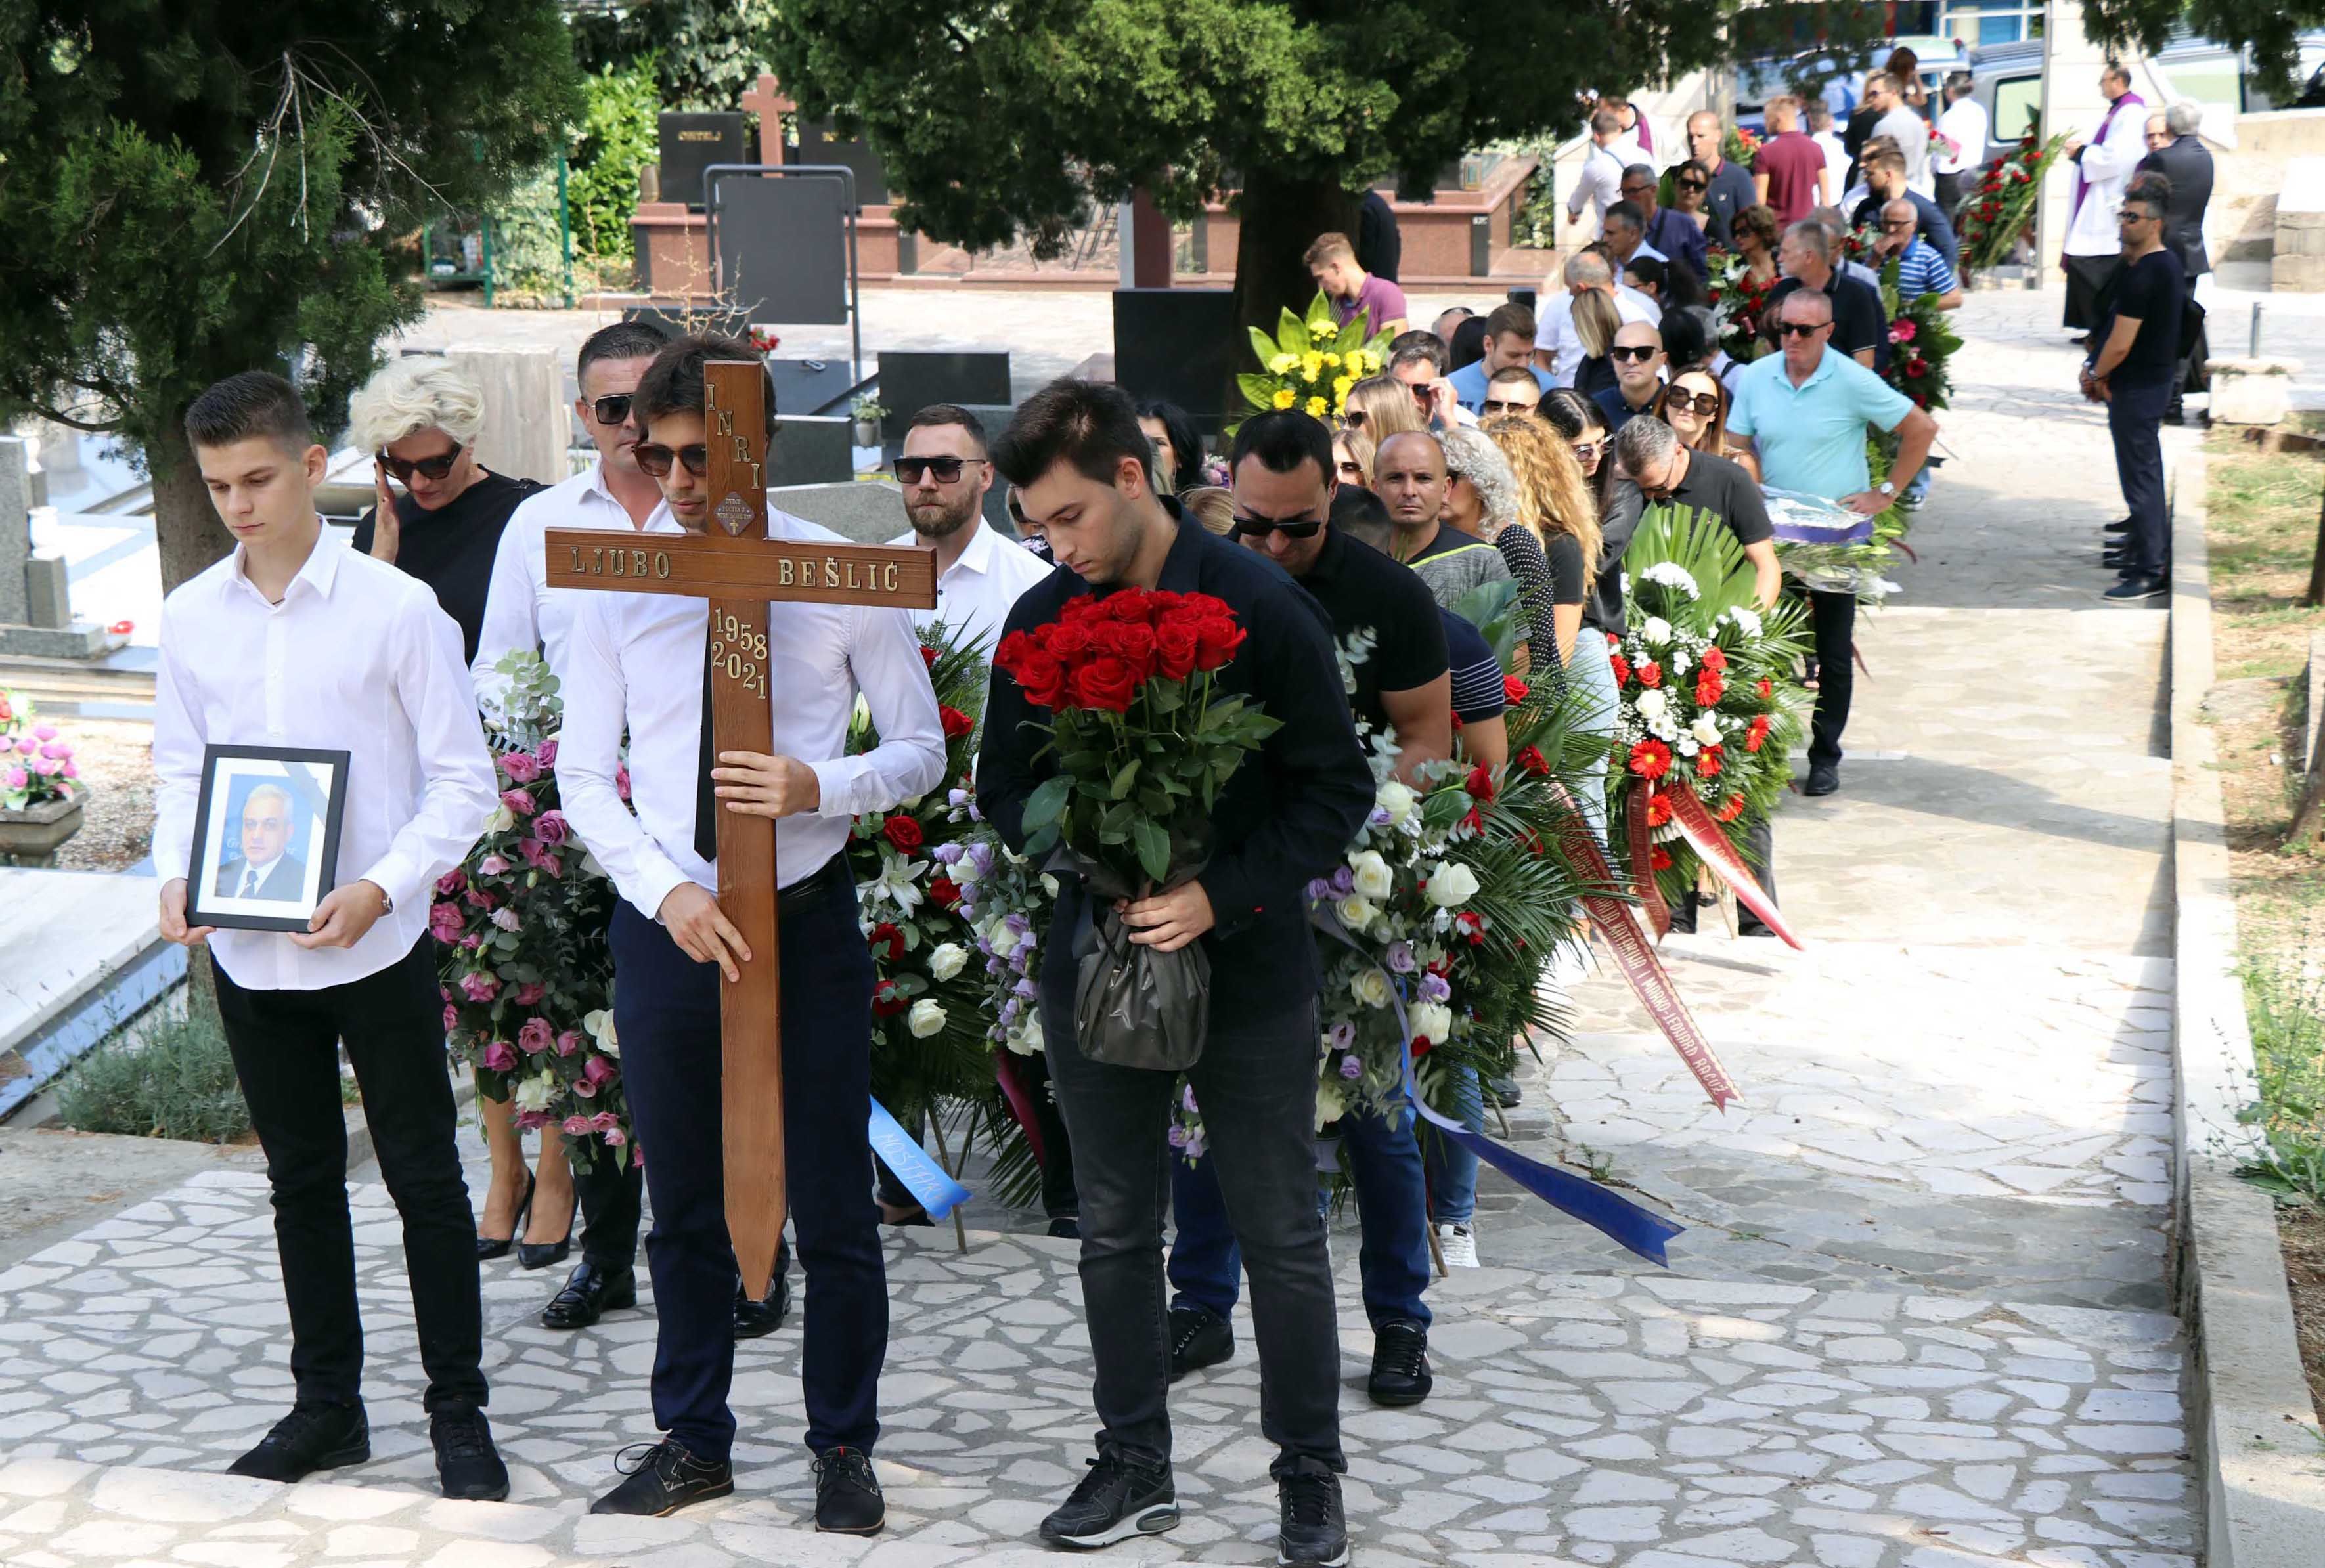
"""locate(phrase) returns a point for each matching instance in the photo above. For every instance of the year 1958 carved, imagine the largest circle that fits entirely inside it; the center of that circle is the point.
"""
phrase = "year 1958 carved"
(738, 650)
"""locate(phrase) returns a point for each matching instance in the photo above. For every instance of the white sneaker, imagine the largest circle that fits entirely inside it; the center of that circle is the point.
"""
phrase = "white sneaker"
(1458, 1243)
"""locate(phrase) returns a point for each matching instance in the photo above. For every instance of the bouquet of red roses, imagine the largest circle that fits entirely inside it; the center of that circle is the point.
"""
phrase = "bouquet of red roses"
(1143, 742)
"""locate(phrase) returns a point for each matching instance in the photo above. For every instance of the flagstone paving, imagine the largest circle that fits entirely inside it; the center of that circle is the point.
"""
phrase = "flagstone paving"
(1915, 1321)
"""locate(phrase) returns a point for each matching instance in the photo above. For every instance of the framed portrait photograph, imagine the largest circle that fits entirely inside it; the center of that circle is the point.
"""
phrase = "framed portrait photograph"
(266, 837)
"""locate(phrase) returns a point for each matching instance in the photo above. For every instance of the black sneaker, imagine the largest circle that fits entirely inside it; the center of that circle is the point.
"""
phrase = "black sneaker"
(1116, 1501)
(1199, 1338)
(2132, 590)
(467, 1463)
(847, 1501)
(1824, 779)
(1314, 1533)
(662, 1478)
(1400, 1374)
(312, 1437)
(1066, 1228)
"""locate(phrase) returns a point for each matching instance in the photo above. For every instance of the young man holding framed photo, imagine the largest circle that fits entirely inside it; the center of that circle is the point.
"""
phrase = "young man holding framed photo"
(294, 642)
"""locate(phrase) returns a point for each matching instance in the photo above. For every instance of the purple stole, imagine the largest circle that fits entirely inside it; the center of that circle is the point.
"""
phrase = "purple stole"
(2106, 120)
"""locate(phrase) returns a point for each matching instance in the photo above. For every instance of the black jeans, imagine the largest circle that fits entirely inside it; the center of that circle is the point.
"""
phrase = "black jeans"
(1834, 617)
(666, 1012)
(612, 1203)
(2134, 416)
(285, 1047)
(1257, 1085)
(1949, 191)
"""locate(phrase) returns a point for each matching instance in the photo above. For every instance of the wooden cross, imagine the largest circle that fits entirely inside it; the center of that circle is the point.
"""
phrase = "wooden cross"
(740, 570)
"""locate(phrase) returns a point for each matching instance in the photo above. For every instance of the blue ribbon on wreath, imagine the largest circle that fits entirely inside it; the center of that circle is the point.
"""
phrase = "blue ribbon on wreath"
(922, 1177)
(1641, 1231)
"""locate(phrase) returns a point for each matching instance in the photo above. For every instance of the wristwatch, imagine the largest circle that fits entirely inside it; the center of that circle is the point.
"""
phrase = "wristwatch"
(1886, 488)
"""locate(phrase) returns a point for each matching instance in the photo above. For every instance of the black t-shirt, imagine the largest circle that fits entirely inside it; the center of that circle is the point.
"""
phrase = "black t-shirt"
(1712, 485)
(1858, 322)
(2149, 292)
(1567, 583)
(451, 549)
(1362, 589)
(1595, 375)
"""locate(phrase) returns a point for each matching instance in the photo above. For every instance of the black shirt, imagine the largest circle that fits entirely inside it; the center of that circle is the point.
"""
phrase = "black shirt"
(1615, 409)
(1283, 818)
(1858, 322)
(451, 549)
(1478, 689)
(1362, 590)
(1566, 574)
(2149, 292)
(1594, 376)
(1712, 484)
(1379, 247)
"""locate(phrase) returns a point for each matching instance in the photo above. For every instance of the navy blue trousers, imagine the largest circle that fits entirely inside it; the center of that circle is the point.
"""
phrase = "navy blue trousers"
(2133, 415)
(666, 1014)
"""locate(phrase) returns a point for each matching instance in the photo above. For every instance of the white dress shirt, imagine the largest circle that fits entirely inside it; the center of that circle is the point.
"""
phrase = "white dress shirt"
(522, 611)
(1912, 134)
(975, 593)
(1964, 123)
(636, 661)
(1836, 156)
(1600, 182)
(1554, 328)
(357, 657)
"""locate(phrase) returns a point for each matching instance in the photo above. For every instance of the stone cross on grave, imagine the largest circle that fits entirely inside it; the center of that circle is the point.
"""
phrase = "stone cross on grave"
(741, 570)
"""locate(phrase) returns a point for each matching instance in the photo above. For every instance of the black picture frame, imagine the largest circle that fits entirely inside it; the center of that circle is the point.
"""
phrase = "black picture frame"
(314, 783)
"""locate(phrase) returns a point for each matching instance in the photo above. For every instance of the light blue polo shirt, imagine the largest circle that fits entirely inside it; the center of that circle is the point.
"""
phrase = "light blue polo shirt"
(1468, 384)
(1812, 438)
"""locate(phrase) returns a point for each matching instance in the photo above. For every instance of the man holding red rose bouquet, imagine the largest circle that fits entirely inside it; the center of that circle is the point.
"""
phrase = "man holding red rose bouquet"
(1280, 818)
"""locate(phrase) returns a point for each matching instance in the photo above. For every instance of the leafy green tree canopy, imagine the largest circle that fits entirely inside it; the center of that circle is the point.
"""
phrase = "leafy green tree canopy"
(705, 53)
(192, 187)
(2271, 29)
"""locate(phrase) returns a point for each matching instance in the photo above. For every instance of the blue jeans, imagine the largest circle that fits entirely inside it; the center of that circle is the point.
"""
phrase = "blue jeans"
(1392, 1263)
(1453, 1169)
(666, 1011)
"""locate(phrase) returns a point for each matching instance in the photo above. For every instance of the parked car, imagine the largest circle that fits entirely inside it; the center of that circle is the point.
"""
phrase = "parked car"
(1757, 81)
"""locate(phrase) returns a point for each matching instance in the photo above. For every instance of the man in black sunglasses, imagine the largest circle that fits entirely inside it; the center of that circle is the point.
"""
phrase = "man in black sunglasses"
(945, 471)
(1638, 355)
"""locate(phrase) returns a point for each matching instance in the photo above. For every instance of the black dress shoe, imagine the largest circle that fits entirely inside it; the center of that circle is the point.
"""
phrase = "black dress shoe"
(1400, 1374)
(2120, 525)
(2113, 559)
(530, 1255)
(312, 1437)
(1118, 1499)
(467, 1463)
(590, 1291)
(662, 1478)
(753, 1319)
(1504, 1092)
(847, 1501)
(1314, 1532)
(2137, 587)
(1199, 1338)
(491, 1247)
(1824, 779)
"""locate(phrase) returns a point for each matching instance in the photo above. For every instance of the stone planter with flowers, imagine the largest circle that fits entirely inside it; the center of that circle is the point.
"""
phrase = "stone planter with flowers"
(40, 792)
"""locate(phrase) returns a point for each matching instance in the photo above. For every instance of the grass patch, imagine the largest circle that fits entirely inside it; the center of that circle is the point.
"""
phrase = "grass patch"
(2288, 1036)
(173, 1078)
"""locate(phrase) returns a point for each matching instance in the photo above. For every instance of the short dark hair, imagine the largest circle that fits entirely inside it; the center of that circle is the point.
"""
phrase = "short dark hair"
(2150, 190)
(1511, 318)
(951, 414)
(1362, 515)
(1626, 213)
(623, 340)
(254, 404)
(1406, 346)
(1282, 439)
(1647, 270)
(1089, 424)
(672, 383)
(1512, 374)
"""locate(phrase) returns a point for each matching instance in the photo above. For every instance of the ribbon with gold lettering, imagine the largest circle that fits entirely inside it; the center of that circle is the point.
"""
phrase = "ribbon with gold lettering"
(1641, 844)
(1635, 955)
(1703, 835)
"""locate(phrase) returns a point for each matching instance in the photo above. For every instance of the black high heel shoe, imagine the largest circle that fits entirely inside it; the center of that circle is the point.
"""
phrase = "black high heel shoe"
(491, 1247)
(530, 1255)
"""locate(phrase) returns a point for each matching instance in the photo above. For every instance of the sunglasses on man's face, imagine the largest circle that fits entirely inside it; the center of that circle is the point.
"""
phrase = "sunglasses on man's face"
(1801, 329)
(944, 470)
(1261, 527)
(1493, 406)
(611, 410)
(1639, 353)
(654, 459)
(433, 469)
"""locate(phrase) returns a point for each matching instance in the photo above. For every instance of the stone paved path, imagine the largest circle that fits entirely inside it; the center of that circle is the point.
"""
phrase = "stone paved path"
(1914, 1322)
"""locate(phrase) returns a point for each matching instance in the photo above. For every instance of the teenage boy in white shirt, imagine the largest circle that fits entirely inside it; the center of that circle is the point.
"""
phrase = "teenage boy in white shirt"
(295, 641)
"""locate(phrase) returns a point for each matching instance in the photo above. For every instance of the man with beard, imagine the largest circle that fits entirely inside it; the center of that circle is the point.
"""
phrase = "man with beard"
(945, 471)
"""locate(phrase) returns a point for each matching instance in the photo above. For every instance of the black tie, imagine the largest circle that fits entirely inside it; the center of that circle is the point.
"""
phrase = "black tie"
(706, 804)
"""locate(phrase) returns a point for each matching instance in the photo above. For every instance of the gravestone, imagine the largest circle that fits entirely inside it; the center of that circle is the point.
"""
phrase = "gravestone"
(818, 144)
(693, 142)
(913, 379)
(528, 422)
(811, 449)
(781, 247)
(868, 511)
(1181, 345)
(35, 591)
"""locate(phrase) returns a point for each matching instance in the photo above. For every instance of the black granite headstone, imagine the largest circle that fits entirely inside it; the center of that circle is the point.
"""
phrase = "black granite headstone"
(1181, 345)
(690, 144)
(910, 380)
